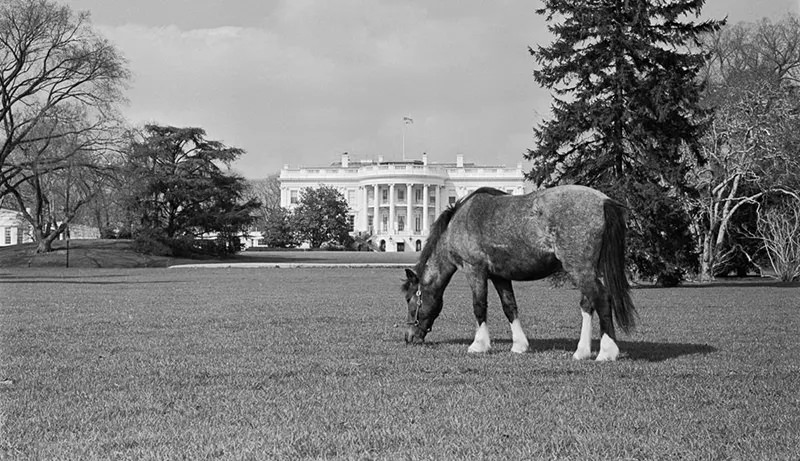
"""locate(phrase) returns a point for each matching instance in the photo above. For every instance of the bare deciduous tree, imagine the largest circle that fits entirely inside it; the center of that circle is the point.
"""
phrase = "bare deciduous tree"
(749, 147)
(268, 192)
(59, 84)
(60, 175)
(779, 230)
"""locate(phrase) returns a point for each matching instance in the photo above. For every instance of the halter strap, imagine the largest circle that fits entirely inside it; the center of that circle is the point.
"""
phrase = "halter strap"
(416, 312)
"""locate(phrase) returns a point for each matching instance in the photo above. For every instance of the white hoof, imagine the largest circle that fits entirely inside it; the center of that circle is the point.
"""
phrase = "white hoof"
(518, 337)
(478, 348)
(519, 348)
(608, 350)
(582, 353)
(481, 343)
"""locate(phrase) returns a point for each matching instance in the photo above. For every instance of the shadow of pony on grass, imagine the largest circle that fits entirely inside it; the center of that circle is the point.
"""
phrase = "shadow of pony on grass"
(644, 351)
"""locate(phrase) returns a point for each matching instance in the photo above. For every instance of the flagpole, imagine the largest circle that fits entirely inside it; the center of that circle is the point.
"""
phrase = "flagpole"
(404, 139)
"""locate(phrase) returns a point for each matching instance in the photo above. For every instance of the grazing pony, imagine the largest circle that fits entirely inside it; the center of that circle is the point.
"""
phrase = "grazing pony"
(491, 235)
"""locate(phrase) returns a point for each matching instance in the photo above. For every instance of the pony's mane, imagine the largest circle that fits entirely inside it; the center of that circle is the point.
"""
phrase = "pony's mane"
(440, 225)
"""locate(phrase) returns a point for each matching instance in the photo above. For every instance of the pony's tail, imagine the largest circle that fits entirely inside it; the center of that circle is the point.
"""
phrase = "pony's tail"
(612, 263)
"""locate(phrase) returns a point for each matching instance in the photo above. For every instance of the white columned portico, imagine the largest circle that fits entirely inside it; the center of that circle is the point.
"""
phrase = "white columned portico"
(392, 224)
(409, 212)
(426, 187)
(425, 192)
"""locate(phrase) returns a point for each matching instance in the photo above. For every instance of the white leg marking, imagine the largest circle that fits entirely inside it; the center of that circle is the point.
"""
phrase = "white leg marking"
(518, 337)
(481, 343)
(608, 349)
(584, 350)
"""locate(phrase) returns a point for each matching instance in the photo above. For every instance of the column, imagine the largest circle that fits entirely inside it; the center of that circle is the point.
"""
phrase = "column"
(391, 209)
(409, 210)
(364, 209)
(439, 205)
(425, 192)
(376, 210)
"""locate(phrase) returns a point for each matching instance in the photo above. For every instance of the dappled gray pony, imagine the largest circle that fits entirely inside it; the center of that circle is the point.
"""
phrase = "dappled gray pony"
(494, 236)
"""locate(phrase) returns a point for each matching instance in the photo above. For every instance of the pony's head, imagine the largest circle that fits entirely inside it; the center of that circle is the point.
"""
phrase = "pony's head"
(423, 308)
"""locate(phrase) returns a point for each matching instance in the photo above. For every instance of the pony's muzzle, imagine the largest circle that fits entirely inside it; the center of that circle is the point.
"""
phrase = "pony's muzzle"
(414, 335)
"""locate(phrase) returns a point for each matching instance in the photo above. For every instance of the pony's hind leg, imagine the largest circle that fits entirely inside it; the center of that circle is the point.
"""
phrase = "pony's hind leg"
(609, 351)
(595, 298)
(506, 293)
(584, 349)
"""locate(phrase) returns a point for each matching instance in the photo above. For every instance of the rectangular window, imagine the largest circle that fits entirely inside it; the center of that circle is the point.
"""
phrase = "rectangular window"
(293, 197)
(418, 223)
(452, 200)
(401, 194)
(384, 195)
(401, 223)
(384, 223)
(351, 222)
(351, 197)
(8, 236)
(418, 195)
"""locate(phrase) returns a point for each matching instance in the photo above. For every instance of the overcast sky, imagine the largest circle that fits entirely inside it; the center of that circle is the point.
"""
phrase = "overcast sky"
(299, 82)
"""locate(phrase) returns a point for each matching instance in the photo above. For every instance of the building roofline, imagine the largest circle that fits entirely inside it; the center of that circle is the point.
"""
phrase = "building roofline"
(346, 163)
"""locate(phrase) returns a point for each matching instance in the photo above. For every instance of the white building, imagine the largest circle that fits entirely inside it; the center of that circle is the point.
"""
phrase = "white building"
(13, 228)
(396, 201)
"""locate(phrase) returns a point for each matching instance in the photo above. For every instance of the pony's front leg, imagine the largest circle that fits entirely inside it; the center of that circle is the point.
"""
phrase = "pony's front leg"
(482, 343)
(506, 293)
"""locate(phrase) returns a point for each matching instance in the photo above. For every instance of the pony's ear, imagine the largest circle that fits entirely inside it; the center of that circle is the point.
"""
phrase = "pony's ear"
(411, 276)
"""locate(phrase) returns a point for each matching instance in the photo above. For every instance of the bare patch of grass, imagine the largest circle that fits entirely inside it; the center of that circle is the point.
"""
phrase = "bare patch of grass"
(310, 364)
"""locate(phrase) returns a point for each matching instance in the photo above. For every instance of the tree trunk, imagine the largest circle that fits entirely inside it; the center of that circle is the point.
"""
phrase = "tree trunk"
(707, 259)
(44, 246)
(44, 240)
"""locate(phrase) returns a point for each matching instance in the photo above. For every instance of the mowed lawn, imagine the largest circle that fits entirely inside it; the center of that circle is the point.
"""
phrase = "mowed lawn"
(310, 364)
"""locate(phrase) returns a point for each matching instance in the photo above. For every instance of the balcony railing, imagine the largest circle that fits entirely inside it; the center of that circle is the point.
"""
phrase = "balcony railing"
(382, 170)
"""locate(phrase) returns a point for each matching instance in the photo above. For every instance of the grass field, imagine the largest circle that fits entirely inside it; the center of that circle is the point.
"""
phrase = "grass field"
(310, 364)
(117, 254)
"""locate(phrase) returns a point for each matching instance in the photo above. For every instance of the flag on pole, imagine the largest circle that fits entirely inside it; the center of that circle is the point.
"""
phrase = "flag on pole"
(408, 120)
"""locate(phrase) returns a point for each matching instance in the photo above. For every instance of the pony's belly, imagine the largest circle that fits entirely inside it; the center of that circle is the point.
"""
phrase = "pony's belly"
(527, 267)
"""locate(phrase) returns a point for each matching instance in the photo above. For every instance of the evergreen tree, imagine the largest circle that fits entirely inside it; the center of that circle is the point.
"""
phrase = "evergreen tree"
(181, 191)
(625, 113)
(321, 217)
